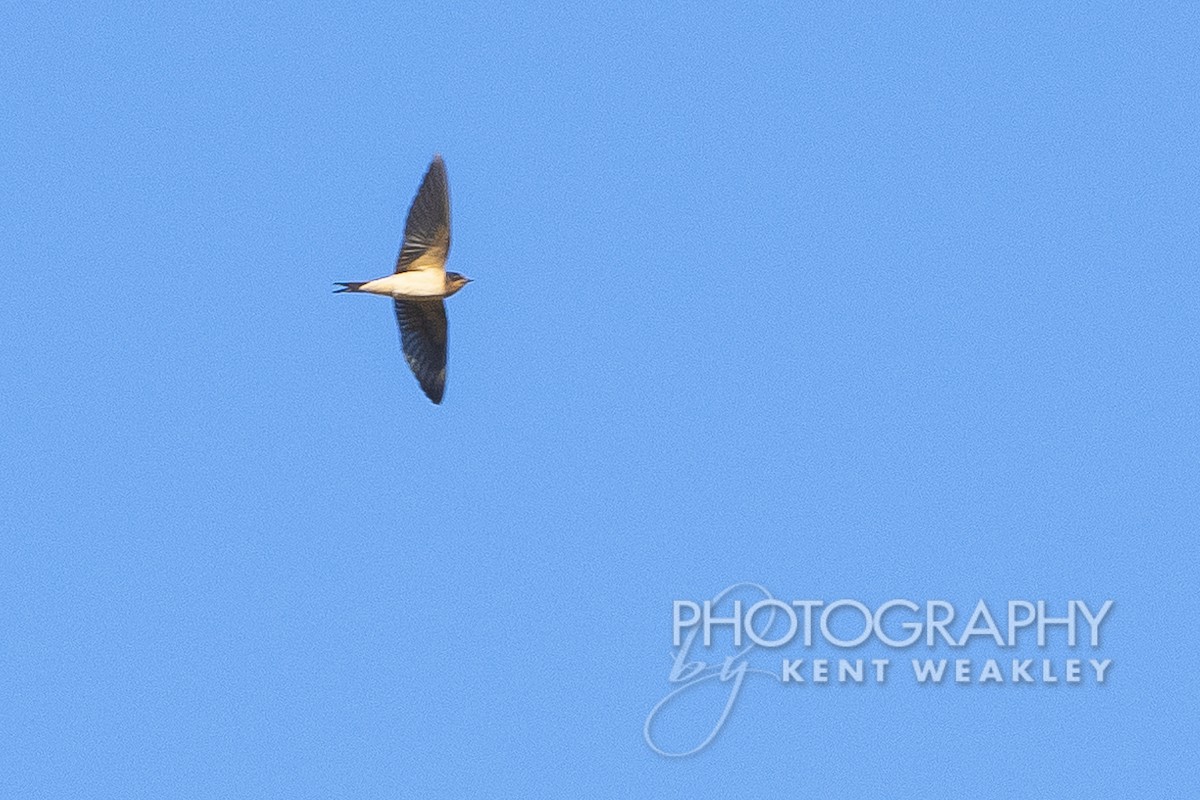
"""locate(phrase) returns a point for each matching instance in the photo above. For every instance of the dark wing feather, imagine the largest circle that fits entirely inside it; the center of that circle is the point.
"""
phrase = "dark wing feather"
(427, 231)
(423, 334)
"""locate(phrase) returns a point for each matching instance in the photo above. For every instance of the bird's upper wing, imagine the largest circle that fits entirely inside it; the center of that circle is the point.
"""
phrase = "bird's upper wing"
(423, 334)
(427, 231)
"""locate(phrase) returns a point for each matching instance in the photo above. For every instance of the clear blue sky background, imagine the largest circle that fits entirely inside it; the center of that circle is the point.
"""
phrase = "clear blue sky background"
(850, 302)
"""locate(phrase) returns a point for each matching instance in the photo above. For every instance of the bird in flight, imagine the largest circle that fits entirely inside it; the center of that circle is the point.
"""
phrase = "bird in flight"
(421, 282)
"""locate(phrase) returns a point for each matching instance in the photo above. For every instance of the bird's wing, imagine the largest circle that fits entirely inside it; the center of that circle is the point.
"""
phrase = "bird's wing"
(427, 231)
(423, 334)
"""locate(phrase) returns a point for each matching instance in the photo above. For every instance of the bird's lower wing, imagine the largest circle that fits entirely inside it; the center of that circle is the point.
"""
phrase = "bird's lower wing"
(423, 335)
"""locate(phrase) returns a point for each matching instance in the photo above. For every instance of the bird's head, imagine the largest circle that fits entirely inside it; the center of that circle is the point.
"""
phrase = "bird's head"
(454, 282)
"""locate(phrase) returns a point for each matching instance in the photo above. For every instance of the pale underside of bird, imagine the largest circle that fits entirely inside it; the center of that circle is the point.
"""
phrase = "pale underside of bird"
(421, 282)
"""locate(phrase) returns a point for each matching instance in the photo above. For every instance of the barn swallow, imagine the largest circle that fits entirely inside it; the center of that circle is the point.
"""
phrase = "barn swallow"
(421, 282)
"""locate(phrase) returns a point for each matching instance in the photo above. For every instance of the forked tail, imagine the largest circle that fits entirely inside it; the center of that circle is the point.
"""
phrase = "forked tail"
(349, 287)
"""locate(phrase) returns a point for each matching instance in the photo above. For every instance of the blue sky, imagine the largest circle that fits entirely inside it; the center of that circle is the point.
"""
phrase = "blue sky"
(876, 302)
